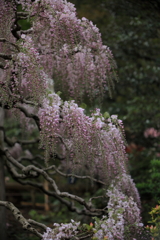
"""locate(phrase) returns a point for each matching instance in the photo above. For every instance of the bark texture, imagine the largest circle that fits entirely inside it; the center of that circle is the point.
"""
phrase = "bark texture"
(3, 232)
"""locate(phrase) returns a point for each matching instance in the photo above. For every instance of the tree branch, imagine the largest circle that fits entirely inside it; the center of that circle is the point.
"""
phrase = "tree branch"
(6, 56)
(6, 41)
(83, 236)
(76, 198)
(2, 65)
(19, 165)
(22, 14)
(31, 221)
(28, 31)
(31, 171)
(28, 114)
(13, 171)
(60, 196)
(19, 217)
(22, 142)
(73, 175)
(31, 160)
(69, 204)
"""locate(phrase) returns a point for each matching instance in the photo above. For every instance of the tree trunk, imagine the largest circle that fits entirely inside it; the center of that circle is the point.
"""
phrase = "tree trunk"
(3, 232)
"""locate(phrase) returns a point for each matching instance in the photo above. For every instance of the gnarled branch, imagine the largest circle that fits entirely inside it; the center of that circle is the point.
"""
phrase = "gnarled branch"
(6, 41)
(2, 65)
(28, 114)
(88, 210)
(6, 56)
(31, 221)
(19, 165)
(74, 175)
(19, 217)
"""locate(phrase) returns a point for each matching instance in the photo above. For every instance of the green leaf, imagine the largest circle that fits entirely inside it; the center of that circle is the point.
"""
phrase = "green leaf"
(106, 115)
(83, 105)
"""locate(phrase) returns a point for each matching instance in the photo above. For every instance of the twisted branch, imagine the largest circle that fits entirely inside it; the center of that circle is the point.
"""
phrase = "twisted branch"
(19, 217)
(73, 175)
(31, 171)
(28, 114)
(6, 41)
(6, 56)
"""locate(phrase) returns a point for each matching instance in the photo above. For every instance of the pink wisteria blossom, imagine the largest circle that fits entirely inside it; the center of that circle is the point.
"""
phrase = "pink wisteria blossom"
(90, 141)
(74, 53)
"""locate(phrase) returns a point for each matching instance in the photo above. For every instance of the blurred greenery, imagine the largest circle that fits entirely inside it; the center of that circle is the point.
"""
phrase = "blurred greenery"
(155, 221)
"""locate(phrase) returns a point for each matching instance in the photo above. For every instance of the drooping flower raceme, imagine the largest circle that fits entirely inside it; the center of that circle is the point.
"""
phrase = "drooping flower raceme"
(93, 144)
(29, 79)
(50, 122)
(24, 75)
(123, 217)
(124, 183)
(62, 231)
(74, 53)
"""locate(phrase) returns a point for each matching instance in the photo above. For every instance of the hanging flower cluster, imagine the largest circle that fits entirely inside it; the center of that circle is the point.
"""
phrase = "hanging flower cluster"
(124, 183)
(74, 53)
(62, 231)
(50, 122)
(29, 79)
(123, 218)
(93, 144)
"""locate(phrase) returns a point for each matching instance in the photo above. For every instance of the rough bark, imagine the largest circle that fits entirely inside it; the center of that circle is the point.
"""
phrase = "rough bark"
(25, 223)
(3, 232)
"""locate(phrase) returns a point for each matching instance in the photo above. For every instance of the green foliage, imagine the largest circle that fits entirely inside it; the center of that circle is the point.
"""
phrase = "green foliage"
(155, 221)
(106, 115)
(24, 23)
(37, 217)
(149, 187)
